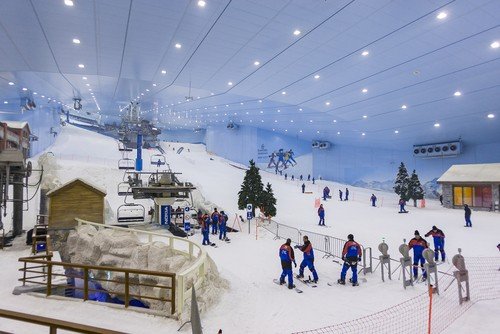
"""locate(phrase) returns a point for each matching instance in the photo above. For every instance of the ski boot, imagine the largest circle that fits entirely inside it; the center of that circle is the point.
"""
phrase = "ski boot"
(341, 281)
(291, 286)
(299, 276)
(282, 282)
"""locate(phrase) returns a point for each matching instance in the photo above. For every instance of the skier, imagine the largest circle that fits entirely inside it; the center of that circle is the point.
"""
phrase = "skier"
(438, 237)
(418, 245)
(215, 220)
(287, 257)
(222, 226)
(286, 176)
(441, 198)
(351, 255)
(326, 191)
(313, 180)
(205, 229)
(199, 216)
(281, 158)
(309, 177)
(468, 212)
(158, 163)
(151, 214)
(286, 157)
(301, 178)
(271, 161)
(373, 199)
(340, 194)
(346, 194)
(293, 177)
(321, 214)
(402, 204)
(291, 159)
(303, 187)
(308, 260)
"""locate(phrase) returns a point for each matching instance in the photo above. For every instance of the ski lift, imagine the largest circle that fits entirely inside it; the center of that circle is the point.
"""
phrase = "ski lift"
(123, 148)
(124, 189)
(130, 213)
(126, 163)
(158, 159)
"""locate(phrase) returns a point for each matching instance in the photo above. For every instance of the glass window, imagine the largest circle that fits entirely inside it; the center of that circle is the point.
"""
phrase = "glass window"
(468, 196)
(487, 197)
(457, 196)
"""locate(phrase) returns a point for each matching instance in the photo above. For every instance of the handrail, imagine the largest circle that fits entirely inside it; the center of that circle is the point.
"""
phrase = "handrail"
(55, 324)
(200, 265)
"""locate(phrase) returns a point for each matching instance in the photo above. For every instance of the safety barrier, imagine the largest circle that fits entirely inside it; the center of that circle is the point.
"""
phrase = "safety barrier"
(54, 324)
(427, 313)
(194, 275)
(327, 244)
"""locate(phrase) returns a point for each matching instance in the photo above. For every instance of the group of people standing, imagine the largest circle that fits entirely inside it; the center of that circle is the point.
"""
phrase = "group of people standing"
(351, 255)
(217, 220)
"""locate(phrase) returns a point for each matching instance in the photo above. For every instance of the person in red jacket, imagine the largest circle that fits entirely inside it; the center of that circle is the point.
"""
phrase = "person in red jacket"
(351, 254)
(418, 245)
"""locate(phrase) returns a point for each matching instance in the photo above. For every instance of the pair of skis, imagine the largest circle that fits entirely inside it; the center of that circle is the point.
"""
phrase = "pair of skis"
(338, 283)
(294, 287)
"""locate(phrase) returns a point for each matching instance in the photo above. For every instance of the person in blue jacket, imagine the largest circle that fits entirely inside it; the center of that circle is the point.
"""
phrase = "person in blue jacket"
(346, 194)
(222, 226)
(418, 245)
(468, 213)
(340, 194)
(287, 257)
(215, 221)
(351, 254)
(373, 199)
(321, 214)
(308, 260)
(438, 237)
(205, 229)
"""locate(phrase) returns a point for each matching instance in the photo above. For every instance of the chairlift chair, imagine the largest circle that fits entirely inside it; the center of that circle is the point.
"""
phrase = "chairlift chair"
(123, 148)
(126, 163)
(158, 159)
(124, 189)
(130, 213)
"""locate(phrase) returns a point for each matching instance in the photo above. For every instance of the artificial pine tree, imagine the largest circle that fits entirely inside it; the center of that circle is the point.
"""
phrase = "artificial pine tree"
(252, 188)
(401, 185)
(268, 205)
(415, 190)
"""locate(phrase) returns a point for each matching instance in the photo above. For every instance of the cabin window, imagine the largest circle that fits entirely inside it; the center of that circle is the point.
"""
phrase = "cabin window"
(474, 196)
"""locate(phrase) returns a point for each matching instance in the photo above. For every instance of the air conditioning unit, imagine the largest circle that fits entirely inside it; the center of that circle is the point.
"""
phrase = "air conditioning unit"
(315, 144)
(324, 145)
(437, 150)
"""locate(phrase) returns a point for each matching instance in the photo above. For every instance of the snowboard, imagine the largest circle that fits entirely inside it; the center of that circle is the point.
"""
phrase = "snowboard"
(278, 283)
(404, 211)
(307, 282)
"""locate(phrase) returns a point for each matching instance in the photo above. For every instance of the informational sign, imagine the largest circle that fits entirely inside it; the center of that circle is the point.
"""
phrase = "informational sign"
(249, 207)
(262, 154)
(186, 209)
(165, 214)
(249, 215)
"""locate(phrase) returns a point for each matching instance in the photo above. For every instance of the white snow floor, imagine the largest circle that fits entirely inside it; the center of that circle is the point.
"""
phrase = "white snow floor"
(254, 304)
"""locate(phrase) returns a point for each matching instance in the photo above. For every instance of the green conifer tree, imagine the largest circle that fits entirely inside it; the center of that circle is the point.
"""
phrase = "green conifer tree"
(252, 188)
(415, 190)
(401, 185)
(268, 205)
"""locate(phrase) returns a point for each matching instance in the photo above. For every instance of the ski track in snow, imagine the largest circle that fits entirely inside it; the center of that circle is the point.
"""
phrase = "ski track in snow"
(254, 304)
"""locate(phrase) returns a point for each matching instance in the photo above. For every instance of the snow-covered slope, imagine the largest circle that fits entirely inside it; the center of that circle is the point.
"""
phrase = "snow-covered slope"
(254, 304)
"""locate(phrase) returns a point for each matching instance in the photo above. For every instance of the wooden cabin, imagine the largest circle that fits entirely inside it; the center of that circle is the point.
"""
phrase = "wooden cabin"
(15, 135)
(75, 199)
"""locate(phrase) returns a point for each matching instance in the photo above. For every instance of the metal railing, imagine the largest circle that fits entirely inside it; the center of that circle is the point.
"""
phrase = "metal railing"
(54, 324)
(194, 275)
(327, 244)
(125, 282)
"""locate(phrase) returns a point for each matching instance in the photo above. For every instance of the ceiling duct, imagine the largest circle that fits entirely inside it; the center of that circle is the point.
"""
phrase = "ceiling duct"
(453, 148)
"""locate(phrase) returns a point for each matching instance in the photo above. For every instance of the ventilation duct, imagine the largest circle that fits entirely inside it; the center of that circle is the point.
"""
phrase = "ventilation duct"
(437, 150)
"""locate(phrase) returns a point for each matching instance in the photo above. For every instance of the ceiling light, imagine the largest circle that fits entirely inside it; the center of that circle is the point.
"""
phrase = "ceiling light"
(364, 116)
(11, 83)
(163, 72)
(241, 103)
(147, 90)
(365, 53)
(364, 90)
(283, 93)
(35, 93)
(300, 109)
(334, 121)
(87, 84)
(261, 111)
(81, 66)
(154, 85)
(230, 83)
(68, 3)
(338, 132)
(5, 102)
(300, 131)
(495, 45)
(260, 101)
(43, 96)
(316, 76)
(457, 93)
(396, 131)
(296, 32)
(310, 121)
(90, 89)
(278, 110)
(363, 134)
(201, 3)
(291, 121)
(437, 125)
(84, 78)
(442, 15)
(275, 121)
(491, 116)
(404, 106)
(327, 103)
(76, 41)
(256, 63)
(25, 89)
(178, 45)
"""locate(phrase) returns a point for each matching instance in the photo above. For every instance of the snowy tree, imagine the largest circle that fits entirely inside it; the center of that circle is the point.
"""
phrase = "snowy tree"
(415, 190)
(401, 185)
(252, 188)
(268, 204)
